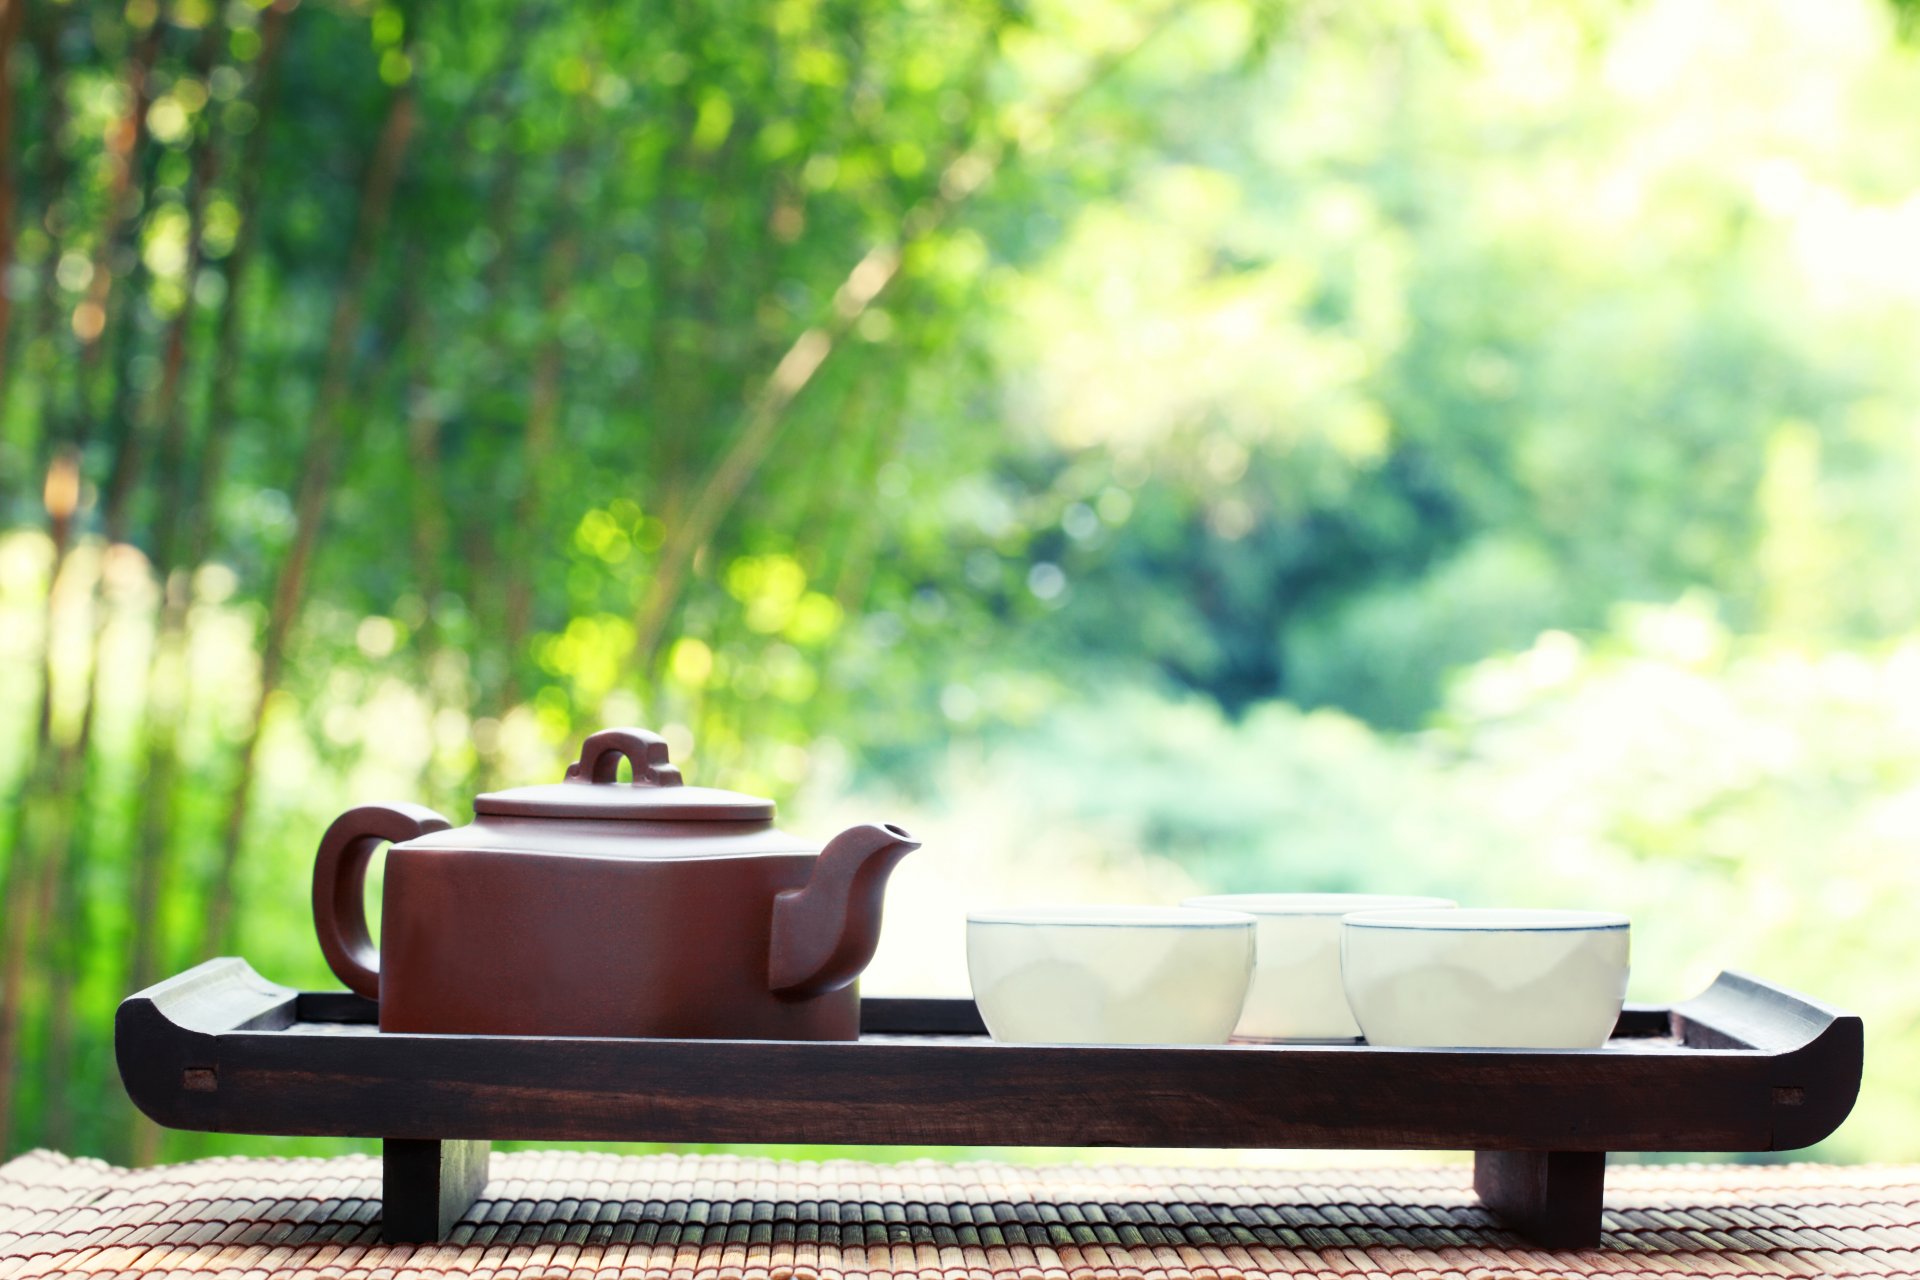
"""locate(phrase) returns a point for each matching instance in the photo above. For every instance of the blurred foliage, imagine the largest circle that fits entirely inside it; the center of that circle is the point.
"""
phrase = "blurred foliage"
(1749, 804)
(1460, 448)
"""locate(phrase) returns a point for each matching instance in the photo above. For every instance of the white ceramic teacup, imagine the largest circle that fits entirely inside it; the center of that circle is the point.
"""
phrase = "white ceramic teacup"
(1109, 975)
(1499, 978)
(1296, 993)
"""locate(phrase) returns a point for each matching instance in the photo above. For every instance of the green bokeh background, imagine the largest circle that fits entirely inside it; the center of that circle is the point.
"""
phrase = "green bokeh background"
(1146, 449)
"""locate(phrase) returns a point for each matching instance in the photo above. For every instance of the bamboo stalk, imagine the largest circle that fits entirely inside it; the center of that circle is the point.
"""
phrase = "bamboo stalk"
(432, 524)
(71, 784)
(543, 413)
(126, 146)
(481, 559)
(53, 177)
(167, 413)
(12, 18)
(861, 539)
(19, 889)
(48, 776)
(670, 397)
(765, 414)
(197, 502)
(184, 540)
(70, 769)
(168, 659)
(124, 142)
(318, 461)
(429, 540)
(165, 694)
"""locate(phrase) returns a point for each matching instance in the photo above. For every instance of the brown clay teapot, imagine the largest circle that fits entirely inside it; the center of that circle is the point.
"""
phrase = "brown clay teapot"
(593, 907)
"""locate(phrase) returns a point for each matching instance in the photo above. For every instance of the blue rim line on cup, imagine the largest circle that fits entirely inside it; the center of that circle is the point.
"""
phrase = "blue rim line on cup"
(1302, 904)
(1490, 920)
(1114, 917)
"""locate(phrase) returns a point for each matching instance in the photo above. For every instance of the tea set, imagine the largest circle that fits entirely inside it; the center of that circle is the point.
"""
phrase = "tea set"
(650, 908)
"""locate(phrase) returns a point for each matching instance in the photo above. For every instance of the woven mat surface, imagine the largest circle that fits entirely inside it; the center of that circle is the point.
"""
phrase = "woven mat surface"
(674, 1217)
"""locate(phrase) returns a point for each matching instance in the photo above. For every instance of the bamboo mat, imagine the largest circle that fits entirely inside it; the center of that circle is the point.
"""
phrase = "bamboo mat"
(735, 1218)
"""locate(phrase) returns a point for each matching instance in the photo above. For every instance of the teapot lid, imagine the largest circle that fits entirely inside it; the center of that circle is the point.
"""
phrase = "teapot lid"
(654, 795)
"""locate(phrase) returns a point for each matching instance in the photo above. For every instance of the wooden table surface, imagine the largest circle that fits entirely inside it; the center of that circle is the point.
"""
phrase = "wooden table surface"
(666, 1217)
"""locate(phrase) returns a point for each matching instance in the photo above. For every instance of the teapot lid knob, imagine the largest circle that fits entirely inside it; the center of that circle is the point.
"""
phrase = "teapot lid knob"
(601, 753)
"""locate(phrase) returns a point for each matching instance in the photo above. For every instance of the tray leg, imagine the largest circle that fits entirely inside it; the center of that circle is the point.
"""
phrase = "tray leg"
(1553, 1197)
(429, 1185)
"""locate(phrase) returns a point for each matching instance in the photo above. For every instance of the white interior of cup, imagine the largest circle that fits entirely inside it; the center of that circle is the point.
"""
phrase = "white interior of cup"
(1488, 919)
(1315, 904)
(1112, 916)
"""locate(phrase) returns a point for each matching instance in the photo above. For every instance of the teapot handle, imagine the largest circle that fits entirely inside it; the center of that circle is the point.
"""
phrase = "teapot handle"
(339, 885)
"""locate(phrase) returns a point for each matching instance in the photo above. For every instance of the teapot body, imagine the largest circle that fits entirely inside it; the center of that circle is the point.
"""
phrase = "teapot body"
(481, 939)
(594, 907)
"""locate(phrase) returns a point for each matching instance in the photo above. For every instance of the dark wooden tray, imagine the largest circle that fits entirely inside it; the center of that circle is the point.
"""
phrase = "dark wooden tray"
(1746, 1066)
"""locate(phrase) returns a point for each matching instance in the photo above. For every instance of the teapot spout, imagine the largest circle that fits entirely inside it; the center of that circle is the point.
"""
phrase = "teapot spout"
(825, 932)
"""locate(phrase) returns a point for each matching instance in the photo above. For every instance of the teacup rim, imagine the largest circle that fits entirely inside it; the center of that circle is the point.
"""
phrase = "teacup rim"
(1491, 920)
(1270, 905)
(1113, 916)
